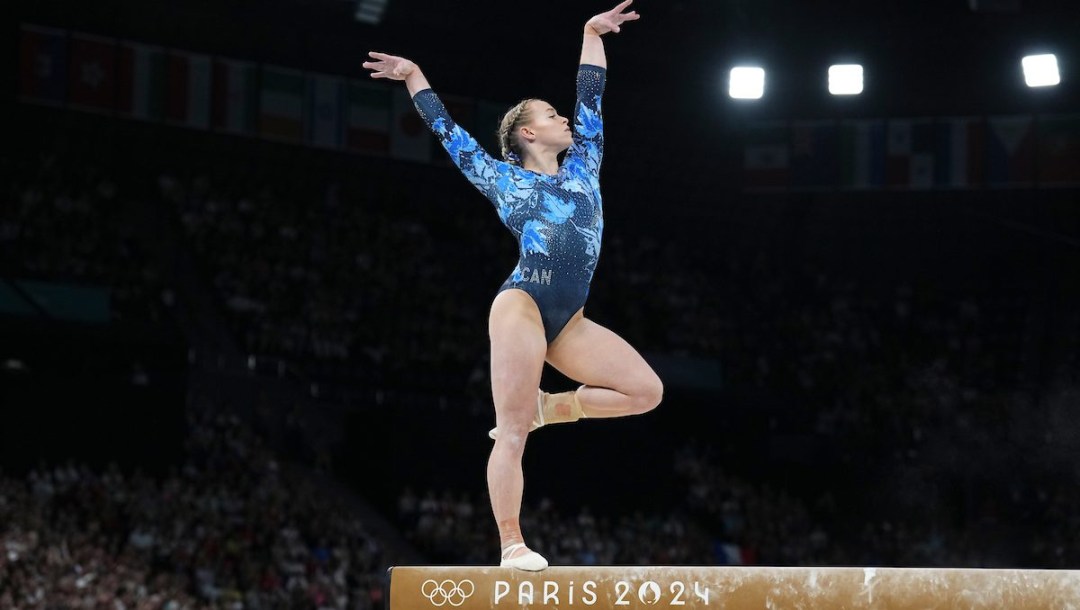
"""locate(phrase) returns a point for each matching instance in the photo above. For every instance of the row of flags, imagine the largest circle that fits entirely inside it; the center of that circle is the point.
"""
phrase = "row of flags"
(913, 153)
(151, 83)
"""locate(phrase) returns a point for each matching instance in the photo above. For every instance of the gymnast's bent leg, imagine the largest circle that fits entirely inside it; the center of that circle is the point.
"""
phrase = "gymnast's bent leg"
(518, 346)
(618, 381)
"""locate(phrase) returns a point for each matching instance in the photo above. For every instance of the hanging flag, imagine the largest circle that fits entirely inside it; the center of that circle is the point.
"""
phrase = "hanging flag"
(486, 123)
(410, 138)
(367, 120)
(1010, 151)
(187, 97)
(862, 153)
(923, 154)
(234, 97)
(959, 159)
(1059, 150)
(814, 147)
(281, 109)
(43, 61)
(92, 82)
(898, 152)
(140, 81)
(461, 110)
(325, 105)
(909, 154)
(765, 156)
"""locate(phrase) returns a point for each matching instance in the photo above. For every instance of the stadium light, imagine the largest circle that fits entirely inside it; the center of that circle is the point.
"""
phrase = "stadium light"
(846, 79)
(747, 83)
(1041, 70)
(14, 364)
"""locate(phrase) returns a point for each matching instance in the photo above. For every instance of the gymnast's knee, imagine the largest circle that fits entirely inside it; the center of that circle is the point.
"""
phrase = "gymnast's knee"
(649, 395)
(511, 438)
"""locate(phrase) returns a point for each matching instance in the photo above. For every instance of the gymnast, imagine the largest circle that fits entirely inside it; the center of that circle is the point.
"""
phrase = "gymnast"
(554, 211)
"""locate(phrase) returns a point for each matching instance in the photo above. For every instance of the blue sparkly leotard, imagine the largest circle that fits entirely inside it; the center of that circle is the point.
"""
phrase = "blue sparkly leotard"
(557, 220)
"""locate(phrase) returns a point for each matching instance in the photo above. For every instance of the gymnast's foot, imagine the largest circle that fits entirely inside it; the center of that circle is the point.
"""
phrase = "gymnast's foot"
(552, 409)
(521, 557)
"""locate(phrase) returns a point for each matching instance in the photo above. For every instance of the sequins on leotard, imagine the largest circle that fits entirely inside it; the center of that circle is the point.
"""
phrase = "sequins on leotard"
(557, 220)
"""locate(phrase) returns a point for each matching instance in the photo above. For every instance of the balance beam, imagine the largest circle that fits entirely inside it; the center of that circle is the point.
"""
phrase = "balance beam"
(732, 588)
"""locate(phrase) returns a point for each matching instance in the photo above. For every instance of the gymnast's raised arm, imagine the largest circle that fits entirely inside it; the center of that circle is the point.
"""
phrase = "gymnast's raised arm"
(592, 49)
(587, 151)
(480, 168)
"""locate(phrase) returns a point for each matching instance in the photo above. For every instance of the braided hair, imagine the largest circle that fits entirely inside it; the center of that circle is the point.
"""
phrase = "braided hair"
(514, 118)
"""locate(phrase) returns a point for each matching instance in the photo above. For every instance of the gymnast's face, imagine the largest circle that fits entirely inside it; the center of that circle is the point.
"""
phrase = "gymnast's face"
(548, 127)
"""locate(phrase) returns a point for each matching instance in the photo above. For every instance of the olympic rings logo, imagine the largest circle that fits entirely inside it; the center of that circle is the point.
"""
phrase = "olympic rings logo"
(447, 592)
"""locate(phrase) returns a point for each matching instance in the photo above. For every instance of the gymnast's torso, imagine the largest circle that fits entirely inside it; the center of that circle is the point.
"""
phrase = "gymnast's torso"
(557, 219)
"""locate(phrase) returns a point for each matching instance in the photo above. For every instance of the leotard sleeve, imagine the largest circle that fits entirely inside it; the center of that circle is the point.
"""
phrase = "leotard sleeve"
(588, 146)
(493, 178)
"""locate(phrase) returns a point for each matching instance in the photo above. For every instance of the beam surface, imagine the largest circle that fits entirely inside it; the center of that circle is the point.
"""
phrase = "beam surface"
(732, 588)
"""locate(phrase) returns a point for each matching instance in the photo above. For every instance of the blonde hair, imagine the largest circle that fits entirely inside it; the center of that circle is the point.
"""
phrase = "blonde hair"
(514, 118)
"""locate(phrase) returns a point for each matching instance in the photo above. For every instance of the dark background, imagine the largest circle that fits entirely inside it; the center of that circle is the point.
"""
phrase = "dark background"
(672, 174)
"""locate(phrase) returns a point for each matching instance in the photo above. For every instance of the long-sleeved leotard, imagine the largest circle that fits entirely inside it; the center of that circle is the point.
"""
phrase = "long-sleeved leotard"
(558, 220)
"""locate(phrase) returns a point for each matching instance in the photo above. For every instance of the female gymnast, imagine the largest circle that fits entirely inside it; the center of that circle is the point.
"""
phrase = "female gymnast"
(554, 210)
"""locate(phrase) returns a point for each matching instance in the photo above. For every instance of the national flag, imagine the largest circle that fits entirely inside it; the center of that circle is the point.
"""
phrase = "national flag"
(862, 153)
(140, 81)
(959, 160)
(234, 96)
(43, 61)
(486, 124)
(814, 148)
(462, 111)
(909, 153)
(367, 117)
(410, 138)
(92, 78)
(1059, 150)
(766, 164)
(1010, 151)
(325, 104)
(187, 97)
(281, 108)
(727, 553)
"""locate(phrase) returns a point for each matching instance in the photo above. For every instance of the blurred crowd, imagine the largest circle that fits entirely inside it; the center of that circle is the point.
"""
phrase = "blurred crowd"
(724, 519)
(307, 274)
(229, 529)
(362, 279)
(67, 219)
(928, 384)
(319, 272)
(456, 527)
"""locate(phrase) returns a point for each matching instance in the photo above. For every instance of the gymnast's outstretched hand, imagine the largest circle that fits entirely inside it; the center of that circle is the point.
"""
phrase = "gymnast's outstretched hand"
(389, 66)
(610, 21)
(397, 68)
